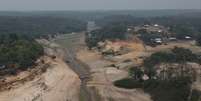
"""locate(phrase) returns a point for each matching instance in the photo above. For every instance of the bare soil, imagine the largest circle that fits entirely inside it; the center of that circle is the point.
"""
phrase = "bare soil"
(103, 77)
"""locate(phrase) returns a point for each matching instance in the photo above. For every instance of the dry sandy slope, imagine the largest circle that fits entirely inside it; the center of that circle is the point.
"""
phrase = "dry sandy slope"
(54, 85)
(58, 83)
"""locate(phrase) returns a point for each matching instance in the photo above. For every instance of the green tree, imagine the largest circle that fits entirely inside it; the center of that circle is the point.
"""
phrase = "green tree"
(183, 55)
(18, 52)
(198, 40)
(136, 73)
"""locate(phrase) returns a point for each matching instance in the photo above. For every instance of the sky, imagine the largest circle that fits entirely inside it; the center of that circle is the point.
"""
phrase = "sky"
(27, 5)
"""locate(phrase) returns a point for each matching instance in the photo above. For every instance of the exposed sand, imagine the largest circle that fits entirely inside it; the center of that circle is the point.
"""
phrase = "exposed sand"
(104, 76)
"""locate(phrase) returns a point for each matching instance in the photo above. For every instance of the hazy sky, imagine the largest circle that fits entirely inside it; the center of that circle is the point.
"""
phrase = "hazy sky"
(97, 4)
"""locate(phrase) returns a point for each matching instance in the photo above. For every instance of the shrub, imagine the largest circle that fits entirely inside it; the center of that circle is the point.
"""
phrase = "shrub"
(136, 73)
(196, 95)
(183, 55)
(162, 90)
(198, 40)
(168, 90)
(128, 83)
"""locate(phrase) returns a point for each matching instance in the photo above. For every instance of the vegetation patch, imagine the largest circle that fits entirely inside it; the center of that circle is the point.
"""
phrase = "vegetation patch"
(196, 95)
(128, 83)
(161, 90)
(111, 32)
(18, 53)
(168, 90)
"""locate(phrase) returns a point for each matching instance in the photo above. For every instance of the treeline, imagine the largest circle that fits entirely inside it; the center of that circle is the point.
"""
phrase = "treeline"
(181, 25)
(106, 33)
(123, 20)
(17, 52)
(93, 15)
(39, 25)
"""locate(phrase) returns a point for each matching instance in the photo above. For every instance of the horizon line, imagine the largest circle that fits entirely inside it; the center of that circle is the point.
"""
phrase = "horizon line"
(98, 10)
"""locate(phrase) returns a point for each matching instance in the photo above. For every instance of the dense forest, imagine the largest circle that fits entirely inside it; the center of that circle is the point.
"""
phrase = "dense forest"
(37, 26)
(17, 52)
(105, 33)
(99, 14)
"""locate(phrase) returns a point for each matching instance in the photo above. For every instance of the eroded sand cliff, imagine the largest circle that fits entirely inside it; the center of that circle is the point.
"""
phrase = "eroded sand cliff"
(57, 83)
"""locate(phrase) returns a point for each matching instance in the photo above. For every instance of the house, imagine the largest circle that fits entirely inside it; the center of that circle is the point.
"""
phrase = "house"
(157, 40)
(187, 37)
(2, 67)
(156, 25)
(172, 38)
